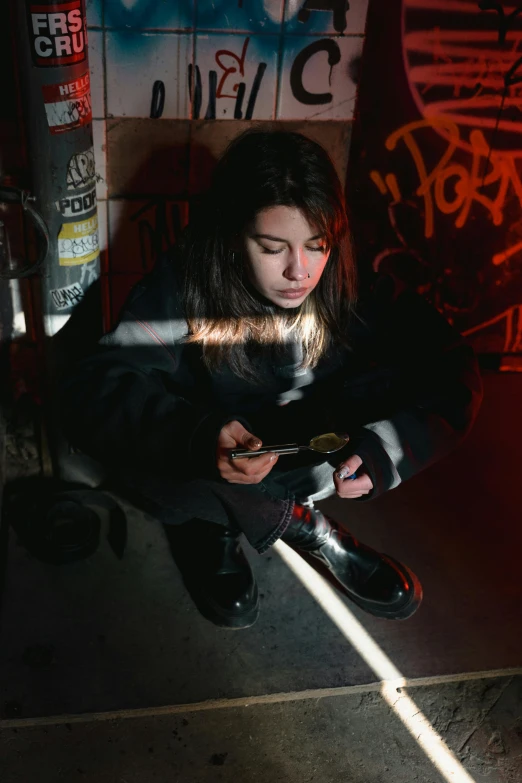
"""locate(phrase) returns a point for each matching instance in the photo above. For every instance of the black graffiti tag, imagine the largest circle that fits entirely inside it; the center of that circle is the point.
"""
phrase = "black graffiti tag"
(158, 100)
(71, 111)
(339, 9)
(158, 233)
(196, 92)
(327, 45)
(67, 297)
(78, 110)
(503, 21)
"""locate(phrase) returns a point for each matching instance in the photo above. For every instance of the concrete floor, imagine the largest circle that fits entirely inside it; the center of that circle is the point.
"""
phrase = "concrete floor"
(123, 639)
(349, 738)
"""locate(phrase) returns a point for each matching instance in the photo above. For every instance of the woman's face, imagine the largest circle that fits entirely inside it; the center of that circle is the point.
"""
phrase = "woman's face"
(286, 255)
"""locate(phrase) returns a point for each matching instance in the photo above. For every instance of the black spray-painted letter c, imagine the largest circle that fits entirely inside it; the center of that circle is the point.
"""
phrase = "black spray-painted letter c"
(327, 45)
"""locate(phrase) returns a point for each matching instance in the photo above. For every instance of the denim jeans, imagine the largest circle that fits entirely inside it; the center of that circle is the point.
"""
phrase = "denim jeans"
(261, 511)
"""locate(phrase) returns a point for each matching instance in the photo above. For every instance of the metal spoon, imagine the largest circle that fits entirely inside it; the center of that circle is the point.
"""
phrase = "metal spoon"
(325, 444)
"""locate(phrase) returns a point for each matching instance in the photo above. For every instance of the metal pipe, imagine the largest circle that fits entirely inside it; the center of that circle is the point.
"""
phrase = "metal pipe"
(54, 77)
(56, 100)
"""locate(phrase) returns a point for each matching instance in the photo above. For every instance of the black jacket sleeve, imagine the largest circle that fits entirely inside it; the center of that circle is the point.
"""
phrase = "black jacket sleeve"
(415, 402)
(126, 404)
(434, 394)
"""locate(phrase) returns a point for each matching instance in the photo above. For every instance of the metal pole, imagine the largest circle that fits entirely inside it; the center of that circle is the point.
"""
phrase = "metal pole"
(56, 99)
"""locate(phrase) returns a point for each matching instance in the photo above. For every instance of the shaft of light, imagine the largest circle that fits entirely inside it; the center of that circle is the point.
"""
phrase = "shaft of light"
(391, 678)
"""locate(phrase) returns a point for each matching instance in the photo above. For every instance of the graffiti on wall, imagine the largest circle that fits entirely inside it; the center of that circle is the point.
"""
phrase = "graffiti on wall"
(444, 167)
(223, 83)
(261, 59)
(141, 231)
(451, 187)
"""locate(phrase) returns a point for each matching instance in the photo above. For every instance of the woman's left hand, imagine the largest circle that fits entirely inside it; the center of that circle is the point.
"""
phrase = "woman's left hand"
(352, 488)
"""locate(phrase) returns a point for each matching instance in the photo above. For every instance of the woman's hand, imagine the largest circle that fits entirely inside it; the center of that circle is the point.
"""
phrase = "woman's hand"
(352, 488)
(250, 470)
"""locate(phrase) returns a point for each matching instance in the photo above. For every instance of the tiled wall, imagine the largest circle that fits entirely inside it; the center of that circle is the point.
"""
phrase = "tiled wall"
(174, 80)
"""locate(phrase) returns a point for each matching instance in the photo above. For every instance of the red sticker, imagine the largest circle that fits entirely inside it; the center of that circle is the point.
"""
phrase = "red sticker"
(58, 33)
(68, 105)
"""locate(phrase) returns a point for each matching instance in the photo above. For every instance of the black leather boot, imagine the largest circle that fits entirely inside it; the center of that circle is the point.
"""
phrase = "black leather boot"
(375, 582)
(216, 572)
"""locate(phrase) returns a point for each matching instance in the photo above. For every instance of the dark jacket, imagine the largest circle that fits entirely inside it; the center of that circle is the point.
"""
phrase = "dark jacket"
(407, 390)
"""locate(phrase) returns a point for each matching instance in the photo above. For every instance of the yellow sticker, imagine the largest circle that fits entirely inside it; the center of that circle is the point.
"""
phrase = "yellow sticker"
(78, 242)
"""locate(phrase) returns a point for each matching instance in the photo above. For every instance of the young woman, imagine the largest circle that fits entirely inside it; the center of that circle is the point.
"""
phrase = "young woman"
(249, 332)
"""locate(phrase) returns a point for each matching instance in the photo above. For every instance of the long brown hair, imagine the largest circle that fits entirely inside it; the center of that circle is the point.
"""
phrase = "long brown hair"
(262, 169)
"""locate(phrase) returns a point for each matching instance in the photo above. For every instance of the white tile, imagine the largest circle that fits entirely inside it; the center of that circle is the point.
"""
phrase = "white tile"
(95, 39)
(301, 18)
(149, 14)
(93, 11)
(103, 234)
(236, 60)
(253, 16)
(334, 83)
(135, 61)
(100, 156)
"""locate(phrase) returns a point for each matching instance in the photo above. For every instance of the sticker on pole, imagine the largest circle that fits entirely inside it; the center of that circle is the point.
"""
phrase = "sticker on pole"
(58, 33)
(69, 296)
(77, 204)
(68, 105)
(81, 170)
(78, 242)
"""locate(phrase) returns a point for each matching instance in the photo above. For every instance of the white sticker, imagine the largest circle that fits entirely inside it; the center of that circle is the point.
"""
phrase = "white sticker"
(81, 170)
(68, 105)
(69, 296)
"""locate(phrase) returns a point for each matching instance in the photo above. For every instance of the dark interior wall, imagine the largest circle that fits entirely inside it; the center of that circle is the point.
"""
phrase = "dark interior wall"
(12, 162)
(436, 161)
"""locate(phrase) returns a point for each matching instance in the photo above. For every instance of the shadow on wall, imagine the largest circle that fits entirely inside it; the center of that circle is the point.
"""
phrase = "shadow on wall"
(13, 171)
(147, 227)
(12, 161)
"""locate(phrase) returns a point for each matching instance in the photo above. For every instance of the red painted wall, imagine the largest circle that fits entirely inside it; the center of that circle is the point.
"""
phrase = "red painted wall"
(435, 170)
